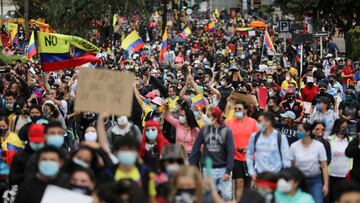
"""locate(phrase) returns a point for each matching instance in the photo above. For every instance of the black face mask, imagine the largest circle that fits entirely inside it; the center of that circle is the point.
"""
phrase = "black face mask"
(81, 189)
(3, 131)
(290, 99)
(310, 84)
(34, 118)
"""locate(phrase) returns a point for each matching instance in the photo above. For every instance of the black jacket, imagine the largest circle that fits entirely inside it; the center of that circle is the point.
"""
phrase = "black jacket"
(23, 164)
(32, 190)
(353, 151)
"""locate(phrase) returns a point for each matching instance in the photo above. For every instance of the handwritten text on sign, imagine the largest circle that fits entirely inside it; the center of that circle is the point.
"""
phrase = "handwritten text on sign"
(104, 90)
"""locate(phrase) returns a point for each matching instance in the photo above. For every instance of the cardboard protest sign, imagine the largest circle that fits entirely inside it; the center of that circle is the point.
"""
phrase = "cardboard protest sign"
(246, 98)
(55, 194)
(104, 90)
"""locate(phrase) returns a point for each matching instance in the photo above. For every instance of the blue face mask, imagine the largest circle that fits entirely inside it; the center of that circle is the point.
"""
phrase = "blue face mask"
(261, 127)
(127, 158)
(239, 115)
(55, 140)
(151, 134)
(317, 107)
(154, 107)
(196, 114)
(80, 162)
(175, 109)
(49, 168)
(147, 101)
(36, 146)
(182, 119)
(300, 134)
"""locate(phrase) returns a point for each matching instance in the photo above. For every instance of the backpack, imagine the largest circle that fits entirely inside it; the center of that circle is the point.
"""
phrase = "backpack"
(257, 135)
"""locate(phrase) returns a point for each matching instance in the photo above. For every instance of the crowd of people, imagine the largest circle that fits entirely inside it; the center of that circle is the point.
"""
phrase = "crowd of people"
(222, 119)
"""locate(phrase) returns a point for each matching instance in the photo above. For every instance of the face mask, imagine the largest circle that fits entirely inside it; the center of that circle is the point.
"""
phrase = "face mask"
(207, 120)
(283, 186)
(48, 115)
(55, 140)
(310, 84)
(300, 134)
(185, 195)
(261, 127)
(348, 98)
(127, 158)
(271, 94)
(48, 168)
(269, 81)
(239, 114)
(36, 146)
(152, 134)
(34, 118)
(222, 83)
(9, 107)
(154, 107)
(80, 162)
(182, 119)
(288, 78)
(196, 114)
(81, 189)
(172, 168)
(3, 131)
(318, 107)
(90, 136)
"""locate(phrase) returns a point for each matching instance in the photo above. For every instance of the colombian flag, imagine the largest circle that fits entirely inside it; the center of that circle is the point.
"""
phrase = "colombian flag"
(12, 28)
(268, 42)
(132, 42)
(31, 46)
(198, 100)
(210, 27)
(164, 45)
(59, 51)
(185, 33)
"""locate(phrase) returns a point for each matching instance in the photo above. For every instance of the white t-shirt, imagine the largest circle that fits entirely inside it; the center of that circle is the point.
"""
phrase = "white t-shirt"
(339, 164)
(308, 159)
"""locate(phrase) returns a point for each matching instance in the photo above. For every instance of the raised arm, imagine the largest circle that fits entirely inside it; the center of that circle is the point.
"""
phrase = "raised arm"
(103, 140)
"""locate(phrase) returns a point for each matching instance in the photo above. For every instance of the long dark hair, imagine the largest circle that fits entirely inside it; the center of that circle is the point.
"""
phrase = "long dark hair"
(313, 127)
(190, 118)
(53, 109)
(337, 127)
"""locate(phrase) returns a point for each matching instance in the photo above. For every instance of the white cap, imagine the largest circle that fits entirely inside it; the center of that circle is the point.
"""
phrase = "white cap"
(310, 79)
(122, 120)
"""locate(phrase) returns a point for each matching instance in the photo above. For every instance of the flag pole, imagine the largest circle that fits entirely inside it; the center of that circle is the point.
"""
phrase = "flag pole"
(262, 49)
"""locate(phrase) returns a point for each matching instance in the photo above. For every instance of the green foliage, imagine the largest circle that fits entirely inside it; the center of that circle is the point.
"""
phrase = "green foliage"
(75, 16)
(355, 41)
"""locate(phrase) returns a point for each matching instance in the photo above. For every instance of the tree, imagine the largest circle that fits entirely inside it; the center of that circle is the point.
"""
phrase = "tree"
(76, 17)
(343, 13)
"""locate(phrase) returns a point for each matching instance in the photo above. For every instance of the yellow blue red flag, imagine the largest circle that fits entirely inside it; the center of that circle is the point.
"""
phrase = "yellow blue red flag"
(31, 47)
(164, 45)
(59, 51)
(132, 42)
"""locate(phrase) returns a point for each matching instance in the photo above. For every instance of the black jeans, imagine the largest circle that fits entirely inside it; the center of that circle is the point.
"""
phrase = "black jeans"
(334, 187)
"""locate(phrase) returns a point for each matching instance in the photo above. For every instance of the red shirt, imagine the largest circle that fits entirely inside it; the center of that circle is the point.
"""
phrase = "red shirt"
(242, 130)
(308, 93)
(347, 71)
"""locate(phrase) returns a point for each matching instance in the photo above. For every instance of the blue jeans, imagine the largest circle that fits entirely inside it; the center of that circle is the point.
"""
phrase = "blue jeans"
(224, 187)
(314, 186)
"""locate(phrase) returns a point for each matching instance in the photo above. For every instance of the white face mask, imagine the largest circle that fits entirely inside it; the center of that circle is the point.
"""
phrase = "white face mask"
(172, 168)
(90, 136)
(283, 185)
(288, 78)
(207, 120)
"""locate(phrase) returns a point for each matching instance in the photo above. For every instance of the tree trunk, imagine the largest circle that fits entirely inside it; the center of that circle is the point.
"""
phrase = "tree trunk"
(348, 44)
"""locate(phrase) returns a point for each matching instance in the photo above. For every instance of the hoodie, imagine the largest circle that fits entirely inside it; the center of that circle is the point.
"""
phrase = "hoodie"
(218, 145)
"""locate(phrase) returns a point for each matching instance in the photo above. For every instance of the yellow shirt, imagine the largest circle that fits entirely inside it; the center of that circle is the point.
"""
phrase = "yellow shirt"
(134, 175)
(285, 84)
(146, 110)
(172, 102)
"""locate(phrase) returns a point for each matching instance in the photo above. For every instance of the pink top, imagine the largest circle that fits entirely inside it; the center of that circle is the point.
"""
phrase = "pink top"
(184, 136)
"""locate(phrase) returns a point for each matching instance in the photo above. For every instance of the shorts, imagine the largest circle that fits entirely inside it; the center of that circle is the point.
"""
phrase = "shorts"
(240, 170)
